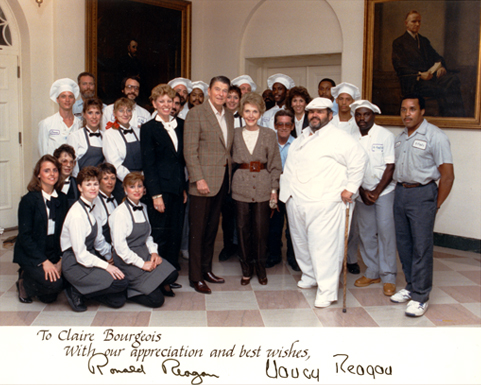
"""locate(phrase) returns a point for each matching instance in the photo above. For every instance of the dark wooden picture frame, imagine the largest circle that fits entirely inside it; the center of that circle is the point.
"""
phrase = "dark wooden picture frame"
(162, 29)
(453, 29)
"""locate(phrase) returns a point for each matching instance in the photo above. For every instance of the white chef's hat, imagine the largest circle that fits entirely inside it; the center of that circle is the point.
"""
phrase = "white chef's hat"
(364, 104)
(285, 80)
(346, 88)
(185, 82)
(62, 85)
(244, 79)
(319, 104)
(200, 85)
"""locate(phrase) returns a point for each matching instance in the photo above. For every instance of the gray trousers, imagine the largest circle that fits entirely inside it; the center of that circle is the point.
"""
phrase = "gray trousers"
(414, 213)
(378, 238)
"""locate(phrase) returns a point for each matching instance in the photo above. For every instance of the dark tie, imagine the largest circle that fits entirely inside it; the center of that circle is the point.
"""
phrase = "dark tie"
(111, 199)
(89, 207)
(139, 208)
(52, 205)
(66, 181)
(131, 131)
(97, 134)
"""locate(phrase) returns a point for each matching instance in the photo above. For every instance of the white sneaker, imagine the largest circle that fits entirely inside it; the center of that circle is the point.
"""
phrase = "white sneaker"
(301, 284)
(416, 309)
(185, 254)
(401, 296)
(322, 304)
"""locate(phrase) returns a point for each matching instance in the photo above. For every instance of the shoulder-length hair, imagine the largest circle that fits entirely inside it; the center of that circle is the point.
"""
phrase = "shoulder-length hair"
(297, 91)
(35, 184)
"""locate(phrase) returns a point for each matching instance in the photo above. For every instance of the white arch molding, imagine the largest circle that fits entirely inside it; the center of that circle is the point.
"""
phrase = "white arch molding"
(11, 169)
(292, 39)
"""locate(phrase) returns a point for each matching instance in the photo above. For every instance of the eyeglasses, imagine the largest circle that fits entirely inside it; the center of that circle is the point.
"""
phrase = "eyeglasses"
(135, 88)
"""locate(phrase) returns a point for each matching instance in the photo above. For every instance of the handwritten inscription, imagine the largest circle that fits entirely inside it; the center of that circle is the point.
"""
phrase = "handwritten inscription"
(100, 360)
(197, 378)
(279, 371)
(360, 370)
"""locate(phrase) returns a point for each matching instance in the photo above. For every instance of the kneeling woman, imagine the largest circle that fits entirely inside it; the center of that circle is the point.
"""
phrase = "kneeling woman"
(89, 276)
(40, 217)
(135, 252)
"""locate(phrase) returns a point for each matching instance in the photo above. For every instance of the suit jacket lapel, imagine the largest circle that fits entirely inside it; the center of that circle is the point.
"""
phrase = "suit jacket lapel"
(212, 120)
(43, 209)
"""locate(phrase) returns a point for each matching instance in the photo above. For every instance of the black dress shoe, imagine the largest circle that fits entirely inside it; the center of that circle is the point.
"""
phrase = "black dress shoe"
(293, 264)
(167, 293)
(175, 285)
(22, 294)
(245, 281)
(212, 278)
(200, 287)
(75, 299)
(262, 281)
(353, 268)
(272, 261)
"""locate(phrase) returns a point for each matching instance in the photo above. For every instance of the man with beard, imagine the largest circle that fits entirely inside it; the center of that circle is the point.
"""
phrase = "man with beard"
(86, 84)
(279, 84)
(175, 106)
(183, 87)
(374, 205)
(324, 169)
(199, 90)
(130, 88)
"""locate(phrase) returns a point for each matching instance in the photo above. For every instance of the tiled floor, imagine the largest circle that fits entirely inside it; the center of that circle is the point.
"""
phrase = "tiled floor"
(455, 300)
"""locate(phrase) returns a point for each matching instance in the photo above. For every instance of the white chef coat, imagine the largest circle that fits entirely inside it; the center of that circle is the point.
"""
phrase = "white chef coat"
(267, 120)
(349, 127)
(53, 132)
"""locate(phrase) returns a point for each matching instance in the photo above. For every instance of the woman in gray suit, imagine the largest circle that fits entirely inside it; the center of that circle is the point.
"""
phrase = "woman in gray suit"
(254, 186)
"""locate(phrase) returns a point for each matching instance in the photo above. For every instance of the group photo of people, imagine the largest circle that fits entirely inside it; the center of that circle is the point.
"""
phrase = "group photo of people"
(121, 195)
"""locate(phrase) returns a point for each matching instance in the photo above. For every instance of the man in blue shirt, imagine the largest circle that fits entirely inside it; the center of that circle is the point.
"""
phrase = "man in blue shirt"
(284, 124)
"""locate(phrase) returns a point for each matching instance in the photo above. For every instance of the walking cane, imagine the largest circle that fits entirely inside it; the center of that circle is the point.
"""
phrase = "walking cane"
(346, 236)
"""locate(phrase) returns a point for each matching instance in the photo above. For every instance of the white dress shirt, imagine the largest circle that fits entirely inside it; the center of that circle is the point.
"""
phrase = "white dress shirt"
(53, 132)
(77, 140)
(121, 227)
(115, 151)
(139, 116)
(170, 128)
(76, 229)
(221, 119)
(99, 209)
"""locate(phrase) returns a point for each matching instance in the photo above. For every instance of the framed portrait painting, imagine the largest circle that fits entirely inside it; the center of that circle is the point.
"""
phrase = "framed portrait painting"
(150, 39)
(426, 47)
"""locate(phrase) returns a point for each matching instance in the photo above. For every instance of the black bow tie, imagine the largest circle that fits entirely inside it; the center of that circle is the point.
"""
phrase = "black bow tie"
(137, 208)
(67, 181)
(90, 207)
(52, 204)
(97, 134)
(105, 198)
(111, 199)
(131, 131)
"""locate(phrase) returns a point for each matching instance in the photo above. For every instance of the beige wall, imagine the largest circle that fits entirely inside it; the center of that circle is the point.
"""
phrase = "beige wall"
(222, 33)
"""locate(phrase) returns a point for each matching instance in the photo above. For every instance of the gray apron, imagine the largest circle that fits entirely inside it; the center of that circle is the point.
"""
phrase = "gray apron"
(132, 161)
(86, 280)
(141, 281)
(94, 155)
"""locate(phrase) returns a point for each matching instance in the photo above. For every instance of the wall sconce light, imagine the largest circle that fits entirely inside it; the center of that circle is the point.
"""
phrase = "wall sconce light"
(39, 2)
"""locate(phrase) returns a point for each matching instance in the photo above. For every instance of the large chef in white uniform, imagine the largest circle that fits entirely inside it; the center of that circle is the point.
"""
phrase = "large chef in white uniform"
(324, 169)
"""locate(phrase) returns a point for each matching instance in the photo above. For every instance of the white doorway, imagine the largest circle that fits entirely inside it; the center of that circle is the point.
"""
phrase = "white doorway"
(305, 70)
(11, 171)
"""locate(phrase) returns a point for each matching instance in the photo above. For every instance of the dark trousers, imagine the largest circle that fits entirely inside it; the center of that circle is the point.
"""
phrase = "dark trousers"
(36, 285)
(276, 224)
(228, 221)
(253, 230)
(156, 298)
(113, 296)
(414, 214)
(167, 227)
(204, 217)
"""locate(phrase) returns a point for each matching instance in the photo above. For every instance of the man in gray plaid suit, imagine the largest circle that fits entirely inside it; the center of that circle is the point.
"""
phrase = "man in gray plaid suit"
(208, 137)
